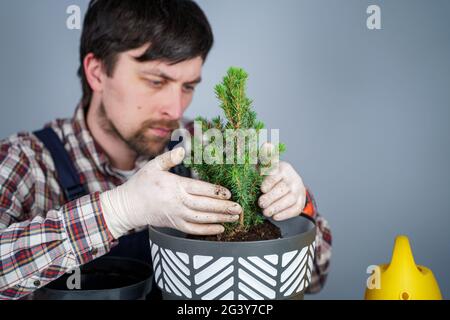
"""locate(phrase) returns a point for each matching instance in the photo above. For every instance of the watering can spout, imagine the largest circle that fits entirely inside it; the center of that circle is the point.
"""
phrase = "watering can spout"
(402, 279)
(402, 257)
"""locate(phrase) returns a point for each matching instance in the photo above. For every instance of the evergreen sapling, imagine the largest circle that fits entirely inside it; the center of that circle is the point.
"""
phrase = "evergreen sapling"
(228, 152)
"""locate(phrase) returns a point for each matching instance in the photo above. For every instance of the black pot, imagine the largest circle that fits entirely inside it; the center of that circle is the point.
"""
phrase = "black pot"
(206, 270)
(106, 278)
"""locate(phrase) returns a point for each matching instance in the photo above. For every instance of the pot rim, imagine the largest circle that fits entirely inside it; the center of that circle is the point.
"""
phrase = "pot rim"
(312, 229)
(129, 287)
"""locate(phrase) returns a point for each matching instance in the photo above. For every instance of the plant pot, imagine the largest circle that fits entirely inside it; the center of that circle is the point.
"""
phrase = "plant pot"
(106, 278)
(206, 270)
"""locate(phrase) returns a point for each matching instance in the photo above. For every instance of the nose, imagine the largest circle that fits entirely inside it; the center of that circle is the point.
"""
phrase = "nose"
(174, 106)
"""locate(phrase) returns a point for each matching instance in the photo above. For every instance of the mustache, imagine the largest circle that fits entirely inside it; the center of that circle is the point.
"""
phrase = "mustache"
(166, 124)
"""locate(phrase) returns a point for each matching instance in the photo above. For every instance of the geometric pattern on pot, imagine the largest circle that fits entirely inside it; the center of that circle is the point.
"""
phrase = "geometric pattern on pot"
(229, 278)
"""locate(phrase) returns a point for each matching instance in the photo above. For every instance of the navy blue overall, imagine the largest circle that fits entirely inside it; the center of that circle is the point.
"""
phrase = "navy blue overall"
(135, 245)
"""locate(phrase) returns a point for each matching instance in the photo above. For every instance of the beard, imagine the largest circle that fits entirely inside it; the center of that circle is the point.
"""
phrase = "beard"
(141, 141)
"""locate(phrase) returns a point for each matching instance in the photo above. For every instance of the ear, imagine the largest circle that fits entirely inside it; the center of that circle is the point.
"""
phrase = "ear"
(93, 69)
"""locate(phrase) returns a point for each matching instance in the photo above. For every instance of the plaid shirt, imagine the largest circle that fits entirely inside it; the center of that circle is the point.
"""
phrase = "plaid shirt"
(42, 237)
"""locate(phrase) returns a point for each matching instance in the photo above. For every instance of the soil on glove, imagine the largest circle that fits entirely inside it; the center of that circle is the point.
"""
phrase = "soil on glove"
(264, 231)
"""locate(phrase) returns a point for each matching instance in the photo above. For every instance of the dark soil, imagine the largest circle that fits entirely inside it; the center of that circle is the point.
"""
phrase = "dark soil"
(265, 231)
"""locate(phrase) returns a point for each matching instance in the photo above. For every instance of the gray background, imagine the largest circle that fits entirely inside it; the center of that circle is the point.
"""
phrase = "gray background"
(364, 113)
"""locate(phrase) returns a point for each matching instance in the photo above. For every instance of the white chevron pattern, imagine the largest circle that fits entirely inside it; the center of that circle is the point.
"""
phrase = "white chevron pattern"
(171, 271)
(257, 279)
(228, 278)
(297, 270)
(213, 277)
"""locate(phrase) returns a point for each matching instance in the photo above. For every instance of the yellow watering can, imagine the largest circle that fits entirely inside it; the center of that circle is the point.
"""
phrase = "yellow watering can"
(402, 279)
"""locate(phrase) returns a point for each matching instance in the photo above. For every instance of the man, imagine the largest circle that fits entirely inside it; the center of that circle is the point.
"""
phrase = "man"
(140, 63)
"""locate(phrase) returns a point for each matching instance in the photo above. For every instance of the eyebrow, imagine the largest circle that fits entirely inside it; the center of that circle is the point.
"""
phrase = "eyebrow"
(159, 73)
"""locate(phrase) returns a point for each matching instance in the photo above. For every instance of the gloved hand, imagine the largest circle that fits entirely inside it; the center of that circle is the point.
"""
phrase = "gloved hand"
(156, 197)
(284, 194)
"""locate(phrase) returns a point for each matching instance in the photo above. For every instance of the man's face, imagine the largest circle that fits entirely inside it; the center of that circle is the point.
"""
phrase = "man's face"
(142, 102)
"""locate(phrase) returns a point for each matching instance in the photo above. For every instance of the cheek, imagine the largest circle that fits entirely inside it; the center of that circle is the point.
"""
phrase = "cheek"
(122, 103)
(187, 99)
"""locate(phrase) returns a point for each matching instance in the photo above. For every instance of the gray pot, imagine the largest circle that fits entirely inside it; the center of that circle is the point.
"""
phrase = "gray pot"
(260, 270)
(106, 278)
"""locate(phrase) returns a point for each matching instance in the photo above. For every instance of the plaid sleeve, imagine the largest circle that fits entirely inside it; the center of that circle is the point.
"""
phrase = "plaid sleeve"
(38, 250)
(323, 245)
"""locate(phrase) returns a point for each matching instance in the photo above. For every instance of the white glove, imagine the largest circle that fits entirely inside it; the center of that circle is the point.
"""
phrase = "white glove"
(156, 197)
(284, 194)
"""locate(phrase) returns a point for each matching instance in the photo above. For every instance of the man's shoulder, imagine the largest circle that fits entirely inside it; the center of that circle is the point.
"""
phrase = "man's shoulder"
(25, 145)
(28, 142)
(21, 142)
(23, 154)
(19, 156)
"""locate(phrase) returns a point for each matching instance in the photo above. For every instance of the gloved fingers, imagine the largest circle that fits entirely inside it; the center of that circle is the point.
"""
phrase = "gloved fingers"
(269, 182)
(267, 153)
(278, 191)
(210, 218)
(290, 212)
(168, 160)
(269, 160)
(281, 204)
(206, 204)
(202, 229)
(202, 188)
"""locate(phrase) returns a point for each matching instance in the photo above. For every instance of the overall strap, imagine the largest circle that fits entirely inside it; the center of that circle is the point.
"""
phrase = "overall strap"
(67, 174)
(135, 245)
(180, 169)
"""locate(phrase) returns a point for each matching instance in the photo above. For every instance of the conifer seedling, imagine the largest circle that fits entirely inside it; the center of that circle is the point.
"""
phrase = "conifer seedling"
(236, 161)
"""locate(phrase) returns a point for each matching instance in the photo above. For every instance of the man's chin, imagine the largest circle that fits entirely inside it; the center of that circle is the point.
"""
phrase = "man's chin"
(155, 150)
(149, 147)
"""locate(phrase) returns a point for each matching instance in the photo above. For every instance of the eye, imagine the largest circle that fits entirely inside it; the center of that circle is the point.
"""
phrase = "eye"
(189, 88)
(156, 83)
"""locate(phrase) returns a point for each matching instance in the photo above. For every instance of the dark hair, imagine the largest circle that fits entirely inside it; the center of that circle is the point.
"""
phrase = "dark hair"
(177, 30)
